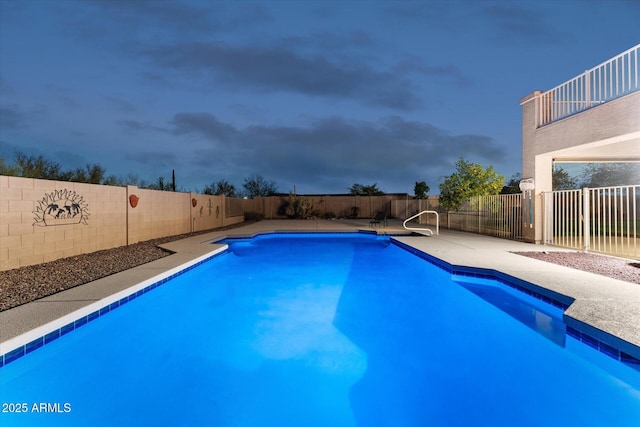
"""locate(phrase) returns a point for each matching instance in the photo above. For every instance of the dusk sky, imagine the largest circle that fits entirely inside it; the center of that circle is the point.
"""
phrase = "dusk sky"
(316, 94)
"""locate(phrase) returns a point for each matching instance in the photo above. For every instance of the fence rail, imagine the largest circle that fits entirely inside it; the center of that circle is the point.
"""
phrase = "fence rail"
(603, 220)
(612, 79)
(499, 216)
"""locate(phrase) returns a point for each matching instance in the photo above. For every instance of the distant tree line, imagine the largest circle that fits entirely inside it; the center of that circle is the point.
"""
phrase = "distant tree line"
(254, 186)
(365, 190)
(609, 174)
(38, 167)
(468, 180)
(593, 175)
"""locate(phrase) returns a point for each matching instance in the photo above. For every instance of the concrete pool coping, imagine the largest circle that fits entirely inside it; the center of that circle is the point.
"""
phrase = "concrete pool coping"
(603, 308)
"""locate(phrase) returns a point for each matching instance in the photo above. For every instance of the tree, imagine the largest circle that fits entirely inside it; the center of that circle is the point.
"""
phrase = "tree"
(92, 174)
(161, 184)
(36, 167)
(257, 186)
(6, 169)
(469, 180)
(513, 186)
(221, 188)
(113, 181)
(29, 166)
(610, 174)
(561, 180)
(421, 189)
(129, 179)
(365, 190)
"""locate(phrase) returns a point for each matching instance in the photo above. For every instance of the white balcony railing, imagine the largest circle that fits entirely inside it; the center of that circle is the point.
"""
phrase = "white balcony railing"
(612, 79)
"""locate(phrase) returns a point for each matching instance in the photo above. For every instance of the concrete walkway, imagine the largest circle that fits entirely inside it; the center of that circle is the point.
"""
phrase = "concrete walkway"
(604, 308)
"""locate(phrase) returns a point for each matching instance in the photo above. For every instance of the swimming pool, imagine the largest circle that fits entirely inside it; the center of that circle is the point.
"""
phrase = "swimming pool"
(321, 329)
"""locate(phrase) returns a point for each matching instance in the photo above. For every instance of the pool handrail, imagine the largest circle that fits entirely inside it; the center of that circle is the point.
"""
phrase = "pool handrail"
(423, 230)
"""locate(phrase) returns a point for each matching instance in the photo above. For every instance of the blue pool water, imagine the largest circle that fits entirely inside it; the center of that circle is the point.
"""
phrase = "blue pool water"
(322, 330)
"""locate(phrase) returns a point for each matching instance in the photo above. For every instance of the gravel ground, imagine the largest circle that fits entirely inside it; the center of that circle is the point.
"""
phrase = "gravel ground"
(618, 268)
(25, 284)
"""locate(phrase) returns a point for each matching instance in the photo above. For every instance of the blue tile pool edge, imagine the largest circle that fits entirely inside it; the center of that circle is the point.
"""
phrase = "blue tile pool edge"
(247, 237)
(576, 329)
(24, 344)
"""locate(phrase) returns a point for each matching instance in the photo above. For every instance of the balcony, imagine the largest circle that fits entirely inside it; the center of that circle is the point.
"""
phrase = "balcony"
(610, 80)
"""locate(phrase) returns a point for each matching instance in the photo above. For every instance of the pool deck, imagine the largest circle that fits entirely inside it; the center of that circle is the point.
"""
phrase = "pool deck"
(604, 308)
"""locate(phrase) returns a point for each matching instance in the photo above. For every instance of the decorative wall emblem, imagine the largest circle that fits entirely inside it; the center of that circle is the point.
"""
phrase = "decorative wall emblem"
(61, 207)
(133, 200)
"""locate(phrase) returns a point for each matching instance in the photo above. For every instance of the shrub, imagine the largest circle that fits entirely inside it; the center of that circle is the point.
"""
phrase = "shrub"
(298, 207)
(253, 216)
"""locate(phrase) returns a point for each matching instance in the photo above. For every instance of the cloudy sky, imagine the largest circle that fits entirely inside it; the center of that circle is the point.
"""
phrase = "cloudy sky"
(316, 94)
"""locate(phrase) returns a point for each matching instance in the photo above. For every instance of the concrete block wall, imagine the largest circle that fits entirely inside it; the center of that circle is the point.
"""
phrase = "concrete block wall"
(608, 132)
(340, 205)
(156, 214)
(42, 220)
(209, 212)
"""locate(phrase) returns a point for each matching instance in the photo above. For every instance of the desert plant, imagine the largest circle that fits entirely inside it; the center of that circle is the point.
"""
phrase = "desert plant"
(329, 215)
(298, 207)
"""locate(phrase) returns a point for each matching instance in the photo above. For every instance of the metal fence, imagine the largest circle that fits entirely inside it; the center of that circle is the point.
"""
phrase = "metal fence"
(499, 216)
(612, 79)
(405, 208)
(603, 220)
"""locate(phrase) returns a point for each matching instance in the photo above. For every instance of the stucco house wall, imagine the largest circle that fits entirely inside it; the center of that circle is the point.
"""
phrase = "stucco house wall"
(608, 132)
